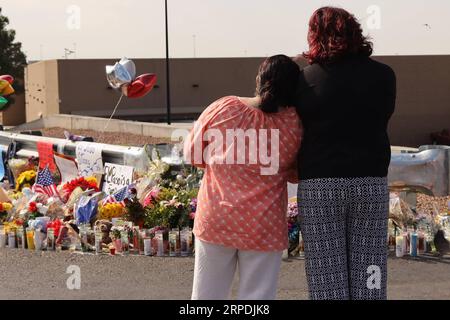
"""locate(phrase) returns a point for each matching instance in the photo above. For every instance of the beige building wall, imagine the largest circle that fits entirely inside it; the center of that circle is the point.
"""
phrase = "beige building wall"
(80, 87)
(42, 89)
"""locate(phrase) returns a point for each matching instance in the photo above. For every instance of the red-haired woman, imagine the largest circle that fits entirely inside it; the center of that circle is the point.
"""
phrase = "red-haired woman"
(345, 101)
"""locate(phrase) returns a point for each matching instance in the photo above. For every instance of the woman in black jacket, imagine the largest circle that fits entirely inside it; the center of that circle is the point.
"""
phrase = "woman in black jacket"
(345, 101)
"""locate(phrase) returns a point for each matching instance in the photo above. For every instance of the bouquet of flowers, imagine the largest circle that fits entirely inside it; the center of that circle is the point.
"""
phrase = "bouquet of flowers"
(33, 211)
(19, 166)
(110, 211)
(173, 208)
(89, 183)
(25, 180)
(5, 208)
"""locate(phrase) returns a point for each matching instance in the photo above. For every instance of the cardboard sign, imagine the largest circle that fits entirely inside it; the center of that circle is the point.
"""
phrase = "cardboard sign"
(117, 177)
(45, 151)
(67, 167)
(89, 159)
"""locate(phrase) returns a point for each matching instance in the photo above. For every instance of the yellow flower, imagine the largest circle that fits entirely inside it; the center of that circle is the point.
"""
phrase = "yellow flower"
(91, 180)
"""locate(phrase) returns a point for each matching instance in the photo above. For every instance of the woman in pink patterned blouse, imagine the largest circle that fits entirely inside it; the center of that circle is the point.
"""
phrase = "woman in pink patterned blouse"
(248, 148)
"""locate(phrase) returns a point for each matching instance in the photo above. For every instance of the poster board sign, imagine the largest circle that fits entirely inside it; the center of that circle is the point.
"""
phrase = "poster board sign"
(89, 158)
(67, 167)
(45, 151)
(117, 177)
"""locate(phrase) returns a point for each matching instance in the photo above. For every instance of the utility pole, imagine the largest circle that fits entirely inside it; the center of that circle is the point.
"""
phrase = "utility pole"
(169, 115)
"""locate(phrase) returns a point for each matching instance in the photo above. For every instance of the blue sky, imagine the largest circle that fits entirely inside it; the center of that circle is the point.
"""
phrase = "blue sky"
(219, 28)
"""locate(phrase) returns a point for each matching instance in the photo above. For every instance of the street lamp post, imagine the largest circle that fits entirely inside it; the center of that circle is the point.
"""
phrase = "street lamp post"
(169, 116)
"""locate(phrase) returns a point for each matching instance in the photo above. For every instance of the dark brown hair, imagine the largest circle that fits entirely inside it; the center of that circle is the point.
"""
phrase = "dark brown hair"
(335, 33)
(276, 83)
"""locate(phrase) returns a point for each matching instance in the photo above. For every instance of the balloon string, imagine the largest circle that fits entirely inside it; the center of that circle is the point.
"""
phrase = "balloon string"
(112, 116)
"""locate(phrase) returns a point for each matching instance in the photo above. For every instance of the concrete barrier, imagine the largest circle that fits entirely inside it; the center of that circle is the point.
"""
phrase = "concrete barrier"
(71, 122)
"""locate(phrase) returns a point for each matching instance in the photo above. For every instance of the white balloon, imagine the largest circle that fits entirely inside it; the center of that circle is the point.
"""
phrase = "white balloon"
(129, 66)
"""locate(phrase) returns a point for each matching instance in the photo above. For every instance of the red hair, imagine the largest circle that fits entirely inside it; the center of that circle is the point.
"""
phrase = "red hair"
(335, 33)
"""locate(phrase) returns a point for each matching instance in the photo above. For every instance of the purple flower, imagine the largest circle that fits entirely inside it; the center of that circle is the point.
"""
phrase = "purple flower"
(193, 205)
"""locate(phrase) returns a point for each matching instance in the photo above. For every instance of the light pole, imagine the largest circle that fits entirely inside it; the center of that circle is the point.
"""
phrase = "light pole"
(169, 116)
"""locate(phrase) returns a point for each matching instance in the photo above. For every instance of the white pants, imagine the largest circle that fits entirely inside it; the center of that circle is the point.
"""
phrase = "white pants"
(215, 267)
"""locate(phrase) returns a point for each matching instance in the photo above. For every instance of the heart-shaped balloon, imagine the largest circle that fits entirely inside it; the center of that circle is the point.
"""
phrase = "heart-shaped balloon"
(129, 66)
(141, 86)
(8, 78)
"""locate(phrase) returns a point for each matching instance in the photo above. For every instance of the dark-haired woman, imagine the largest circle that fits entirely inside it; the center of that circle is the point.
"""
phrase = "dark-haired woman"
(345, 100)
(248, 148)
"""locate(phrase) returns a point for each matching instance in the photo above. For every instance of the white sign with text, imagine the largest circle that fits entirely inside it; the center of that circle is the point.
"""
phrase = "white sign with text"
(117, 177)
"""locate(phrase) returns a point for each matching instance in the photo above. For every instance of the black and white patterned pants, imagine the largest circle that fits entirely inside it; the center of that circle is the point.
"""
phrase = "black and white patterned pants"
(344, 227)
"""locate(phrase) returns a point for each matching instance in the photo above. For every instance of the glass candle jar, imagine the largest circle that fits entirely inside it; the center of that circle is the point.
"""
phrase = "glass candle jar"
(30, 239)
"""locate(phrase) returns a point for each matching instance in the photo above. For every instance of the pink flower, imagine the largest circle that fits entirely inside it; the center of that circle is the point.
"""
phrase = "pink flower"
(151, 197)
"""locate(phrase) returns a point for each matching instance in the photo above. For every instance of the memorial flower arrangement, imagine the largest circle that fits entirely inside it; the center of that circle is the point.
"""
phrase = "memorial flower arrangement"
(76, 215)
(172, 209)
(84, 183)
(172, 202)
(34, 210)
(5, 208)
(19, 166)
(25, 180)
(110, 211)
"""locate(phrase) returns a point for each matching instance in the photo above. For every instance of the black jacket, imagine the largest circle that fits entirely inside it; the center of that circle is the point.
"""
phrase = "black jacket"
(345, 108)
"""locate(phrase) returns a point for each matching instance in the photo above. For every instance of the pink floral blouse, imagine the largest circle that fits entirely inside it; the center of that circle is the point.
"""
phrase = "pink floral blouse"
(243, 204)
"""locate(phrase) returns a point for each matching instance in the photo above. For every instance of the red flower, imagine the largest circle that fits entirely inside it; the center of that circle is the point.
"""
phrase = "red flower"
(33, 207)
(1, 207)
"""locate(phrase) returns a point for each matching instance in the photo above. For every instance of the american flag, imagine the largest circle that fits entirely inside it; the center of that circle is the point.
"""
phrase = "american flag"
(45, 184)
(119, 196)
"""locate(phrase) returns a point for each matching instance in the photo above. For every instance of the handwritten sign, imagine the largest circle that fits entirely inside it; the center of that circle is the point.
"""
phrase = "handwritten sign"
(67, 167)
(45, 151)
(89, 159)
(117, 177)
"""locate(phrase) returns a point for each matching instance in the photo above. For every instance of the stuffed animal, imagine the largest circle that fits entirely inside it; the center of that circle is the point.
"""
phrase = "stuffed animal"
(105, 227)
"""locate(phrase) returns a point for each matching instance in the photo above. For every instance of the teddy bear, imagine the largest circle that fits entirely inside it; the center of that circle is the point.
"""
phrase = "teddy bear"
(104, 226)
